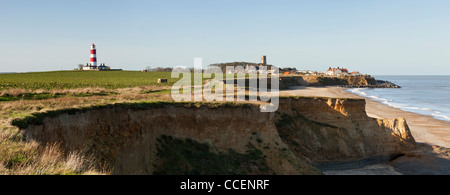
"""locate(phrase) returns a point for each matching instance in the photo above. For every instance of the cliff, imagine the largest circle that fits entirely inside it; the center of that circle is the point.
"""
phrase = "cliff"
(174, 139)
(166, 138)
(326, 81)
(336, 131)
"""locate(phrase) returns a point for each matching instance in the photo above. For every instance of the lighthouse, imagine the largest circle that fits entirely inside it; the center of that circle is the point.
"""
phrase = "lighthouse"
(92, 65)
(93, 56)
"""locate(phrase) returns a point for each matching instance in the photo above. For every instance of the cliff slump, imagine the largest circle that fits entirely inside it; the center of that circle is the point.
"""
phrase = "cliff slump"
(174, 139)
(155, 138)
(329, 131)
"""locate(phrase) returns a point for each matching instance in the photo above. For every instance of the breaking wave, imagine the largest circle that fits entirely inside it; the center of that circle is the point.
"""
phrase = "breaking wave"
(418, 95)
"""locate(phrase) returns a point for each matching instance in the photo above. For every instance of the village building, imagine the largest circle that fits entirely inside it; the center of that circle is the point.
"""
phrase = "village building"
(247, 67)
(356, 73)
(307, 72)
(337, 71)
(92, 67)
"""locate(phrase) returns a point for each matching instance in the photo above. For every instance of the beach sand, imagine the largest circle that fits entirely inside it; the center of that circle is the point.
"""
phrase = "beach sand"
(432, 155)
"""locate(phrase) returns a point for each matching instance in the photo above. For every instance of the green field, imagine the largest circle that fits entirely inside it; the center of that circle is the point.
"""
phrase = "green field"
(83, 79)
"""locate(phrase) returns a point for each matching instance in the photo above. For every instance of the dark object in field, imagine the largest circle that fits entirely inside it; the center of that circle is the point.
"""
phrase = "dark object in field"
(162, 80)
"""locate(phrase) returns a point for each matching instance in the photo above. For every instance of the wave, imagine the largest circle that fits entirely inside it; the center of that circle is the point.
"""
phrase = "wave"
(416, 108)
(403, 106)
(358, 91)
(442, 116)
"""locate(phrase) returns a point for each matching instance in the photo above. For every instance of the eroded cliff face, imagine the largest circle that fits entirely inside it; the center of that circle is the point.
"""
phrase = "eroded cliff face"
(327, 130)
(175, 139)
(211, 139)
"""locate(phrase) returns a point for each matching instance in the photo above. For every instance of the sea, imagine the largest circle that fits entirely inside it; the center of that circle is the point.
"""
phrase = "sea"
(427, 95)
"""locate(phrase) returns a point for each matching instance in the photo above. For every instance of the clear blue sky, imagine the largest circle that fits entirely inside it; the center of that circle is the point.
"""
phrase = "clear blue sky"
(372, 36)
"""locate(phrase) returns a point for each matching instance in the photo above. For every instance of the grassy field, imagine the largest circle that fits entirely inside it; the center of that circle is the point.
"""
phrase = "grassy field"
(88, 79)
(26, 95)
(83, 79)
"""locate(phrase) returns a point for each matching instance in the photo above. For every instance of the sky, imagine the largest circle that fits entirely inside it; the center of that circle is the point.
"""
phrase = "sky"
(378, 37)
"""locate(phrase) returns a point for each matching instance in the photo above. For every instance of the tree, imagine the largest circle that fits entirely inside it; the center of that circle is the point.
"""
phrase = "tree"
(80, 66)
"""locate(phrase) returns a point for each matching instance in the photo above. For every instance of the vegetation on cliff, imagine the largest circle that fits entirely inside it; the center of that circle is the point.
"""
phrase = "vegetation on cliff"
(189, 157)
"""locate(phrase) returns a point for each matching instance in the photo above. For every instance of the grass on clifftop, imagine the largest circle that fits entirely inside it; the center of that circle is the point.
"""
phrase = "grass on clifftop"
(37, 118)
(83, 79)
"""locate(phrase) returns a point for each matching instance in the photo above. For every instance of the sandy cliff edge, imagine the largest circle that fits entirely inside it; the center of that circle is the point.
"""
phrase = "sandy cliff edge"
(139, 139)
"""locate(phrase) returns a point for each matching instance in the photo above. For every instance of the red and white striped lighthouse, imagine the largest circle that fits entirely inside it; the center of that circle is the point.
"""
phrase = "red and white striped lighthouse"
(93, 56)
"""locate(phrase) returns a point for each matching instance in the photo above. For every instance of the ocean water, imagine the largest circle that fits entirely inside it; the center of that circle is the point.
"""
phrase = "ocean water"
(428, 95)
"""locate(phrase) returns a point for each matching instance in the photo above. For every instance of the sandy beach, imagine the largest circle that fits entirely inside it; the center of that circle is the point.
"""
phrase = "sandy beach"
(425, 129)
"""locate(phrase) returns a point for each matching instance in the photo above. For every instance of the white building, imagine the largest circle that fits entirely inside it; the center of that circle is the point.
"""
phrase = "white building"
(333, 72)
(336, 71)
(92, 67)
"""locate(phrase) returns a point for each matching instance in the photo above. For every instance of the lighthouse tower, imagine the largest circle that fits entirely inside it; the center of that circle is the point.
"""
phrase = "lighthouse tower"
(93, 56)
(92, 65)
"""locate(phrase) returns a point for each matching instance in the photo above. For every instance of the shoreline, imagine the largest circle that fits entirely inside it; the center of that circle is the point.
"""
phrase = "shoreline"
(425, 129)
